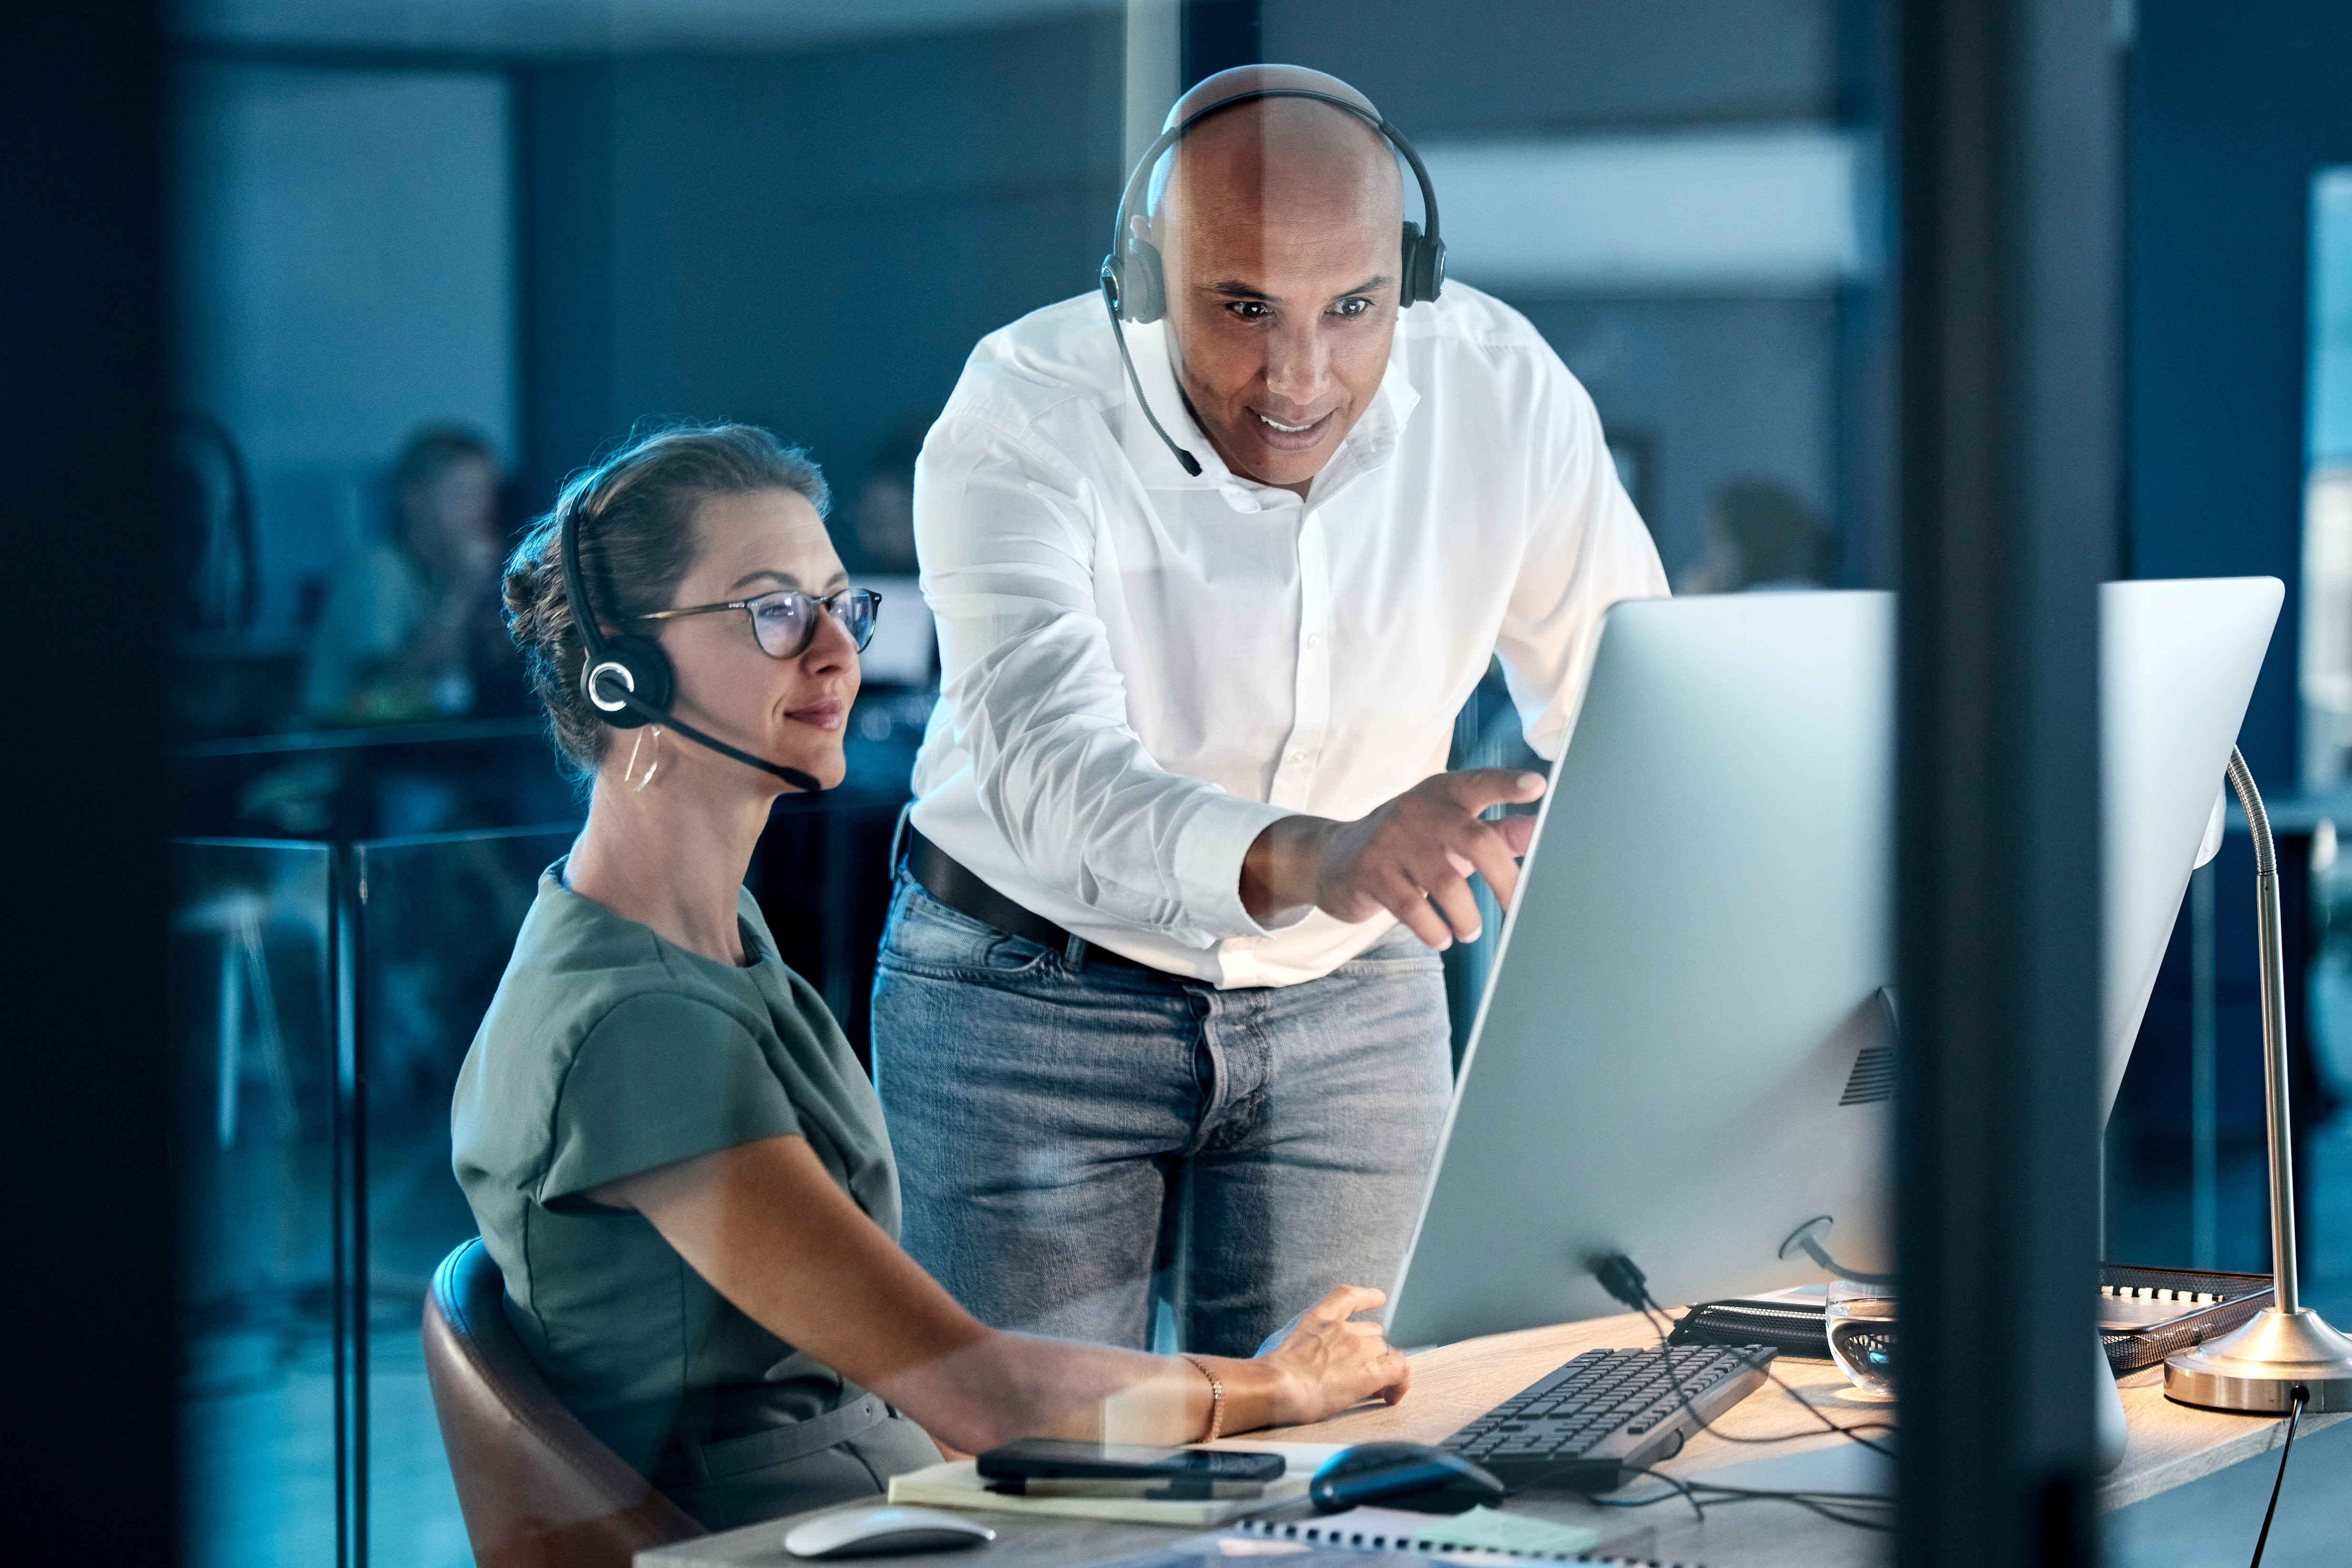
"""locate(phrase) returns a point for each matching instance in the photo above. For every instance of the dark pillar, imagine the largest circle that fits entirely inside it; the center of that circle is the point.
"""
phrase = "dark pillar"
(1863, 484)
(1217, 36)
(91, 612)
(2007, 413)
(569, 306)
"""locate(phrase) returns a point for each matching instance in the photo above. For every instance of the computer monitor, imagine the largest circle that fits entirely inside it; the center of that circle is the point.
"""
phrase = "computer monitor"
(1687, 1048)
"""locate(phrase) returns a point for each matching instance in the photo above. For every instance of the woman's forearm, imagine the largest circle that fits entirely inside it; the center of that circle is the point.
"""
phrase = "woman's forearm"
(765, 1225)
(1011, 1385)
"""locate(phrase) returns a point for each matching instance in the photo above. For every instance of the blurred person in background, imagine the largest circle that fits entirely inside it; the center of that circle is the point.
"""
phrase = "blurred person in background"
(410, 631)
(671, 1151)
(1759, 537)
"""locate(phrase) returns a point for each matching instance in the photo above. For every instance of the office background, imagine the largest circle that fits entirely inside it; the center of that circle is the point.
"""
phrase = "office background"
(543, 222)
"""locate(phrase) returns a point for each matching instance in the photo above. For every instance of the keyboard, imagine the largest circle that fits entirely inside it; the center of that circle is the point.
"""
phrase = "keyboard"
(1588, 1426)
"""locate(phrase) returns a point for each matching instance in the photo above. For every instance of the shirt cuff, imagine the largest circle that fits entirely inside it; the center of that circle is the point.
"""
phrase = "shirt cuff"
(1209, 855)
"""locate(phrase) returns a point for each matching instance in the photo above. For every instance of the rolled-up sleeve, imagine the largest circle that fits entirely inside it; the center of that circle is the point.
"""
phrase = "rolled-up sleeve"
(1039, 709)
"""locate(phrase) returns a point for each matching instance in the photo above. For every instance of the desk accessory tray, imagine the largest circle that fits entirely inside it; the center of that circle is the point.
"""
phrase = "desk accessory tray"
(2144, 1315)
(2148, 1315)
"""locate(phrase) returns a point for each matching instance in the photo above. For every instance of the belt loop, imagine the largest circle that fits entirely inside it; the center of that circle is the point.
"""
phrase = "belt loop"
(1075, 954)
(899, 837)
(696, 1464)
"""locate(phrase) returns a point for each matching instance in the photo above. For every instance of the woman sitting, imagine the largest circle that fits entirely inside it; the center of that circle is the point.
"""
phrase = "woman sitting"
(670, 1149)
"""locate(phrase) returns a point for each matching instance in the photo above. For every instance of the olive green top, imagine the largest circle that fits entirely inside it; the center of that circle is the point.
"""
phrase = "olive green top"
(609, 1050)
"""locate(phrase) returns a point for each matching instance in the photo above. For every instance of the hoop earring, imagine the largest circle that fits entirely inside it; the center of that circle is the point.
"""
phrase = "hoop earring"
(653, 763)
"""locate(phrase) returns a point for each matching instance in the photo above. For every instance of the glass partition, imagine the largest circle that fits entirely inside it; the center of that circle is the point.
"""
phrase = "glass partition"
(255, 1138)
(435, 918)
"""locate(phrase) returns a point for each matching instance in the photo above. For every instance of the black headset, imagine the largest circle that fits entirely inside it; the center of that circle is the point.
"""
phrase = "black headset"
(628, 680)
(1134, 279)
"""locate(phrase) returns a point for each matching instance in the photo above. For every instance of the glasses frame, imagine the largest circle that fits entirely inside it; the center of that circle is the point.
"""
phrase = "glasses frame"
(822, 603)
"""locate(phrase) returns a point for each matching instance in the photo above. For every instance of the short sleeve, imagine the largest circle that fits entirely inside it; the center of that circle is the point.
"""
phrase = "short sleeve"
(659, 1078)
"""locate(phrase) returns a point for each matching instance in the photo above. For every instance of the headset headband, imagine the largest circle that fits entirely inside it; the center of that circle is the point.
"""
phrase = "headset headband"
(1175, 133)
(592, 637)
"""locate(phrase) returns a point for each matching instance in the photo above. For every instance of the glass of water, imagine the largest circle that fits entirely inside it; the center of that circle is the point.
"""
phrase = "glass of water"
(1861, 1323)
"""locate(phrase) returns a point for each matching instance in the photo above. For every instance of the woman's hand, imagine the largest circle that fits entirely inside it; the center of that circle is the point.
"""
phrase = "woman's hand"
(1324, 1361)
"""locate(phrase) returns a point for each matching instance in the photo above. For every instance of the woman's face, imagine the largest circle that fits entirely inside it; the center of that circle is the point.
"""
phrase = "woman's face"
(793, 711)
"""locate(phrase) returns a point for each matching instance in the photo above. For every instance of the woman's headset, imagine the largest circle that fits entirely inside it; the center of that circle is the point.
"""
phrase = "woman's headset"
(1134, 279)
(628, 679)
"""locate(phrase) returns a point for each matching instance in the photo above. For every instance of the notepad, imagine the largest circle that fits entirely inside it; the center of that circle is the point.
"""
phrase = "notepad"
(959, 1485)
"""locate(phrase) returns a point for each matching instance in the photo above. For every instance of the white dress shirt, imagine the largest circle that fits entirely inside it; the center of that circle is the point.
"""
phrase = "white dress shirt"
(1142, 669)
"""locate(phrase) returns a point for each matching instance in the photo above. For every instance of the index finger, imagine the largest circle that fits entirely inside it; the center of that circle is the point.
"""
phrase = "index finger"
(1476, 789)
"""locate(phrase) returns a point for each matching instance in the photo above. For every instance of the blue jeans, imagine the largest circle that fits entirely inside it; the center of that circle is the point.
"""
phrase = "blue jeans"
(1064, 1132)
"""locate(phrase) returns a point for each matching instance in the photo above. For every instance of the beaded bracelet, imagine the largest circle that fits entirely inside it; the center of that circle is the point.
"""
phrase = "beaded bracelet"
(1216, 1399)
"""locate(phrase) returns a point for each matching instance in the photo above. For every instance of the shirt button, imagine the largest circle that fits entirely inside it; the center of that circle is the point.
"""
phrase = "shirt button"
(1298, 758)
(1315, 639)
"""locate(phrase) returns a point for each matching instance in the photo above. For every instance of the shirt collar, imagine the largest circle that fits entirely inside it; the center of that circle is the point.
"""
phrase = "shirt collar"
(1370, 445)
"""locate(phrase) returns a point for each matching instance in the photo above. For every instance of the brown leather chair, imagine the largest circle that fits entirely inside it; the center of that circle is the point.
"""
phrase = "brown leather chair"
(538, 1489)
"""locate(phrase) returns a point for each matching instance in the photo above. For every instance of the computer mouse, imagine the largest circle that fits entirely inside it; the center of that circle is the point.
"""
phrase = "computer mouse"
(1402, 1475)
(884, 1531)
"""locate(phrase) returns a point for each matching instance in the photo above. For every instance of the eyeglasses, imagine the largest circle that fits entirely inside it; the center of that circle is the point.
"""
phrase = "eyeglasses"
(784, 622)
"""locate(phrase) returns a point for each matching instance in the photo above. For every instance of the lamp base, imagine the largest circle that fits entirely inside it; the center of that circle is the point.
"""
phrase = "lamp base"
(2255, 1369)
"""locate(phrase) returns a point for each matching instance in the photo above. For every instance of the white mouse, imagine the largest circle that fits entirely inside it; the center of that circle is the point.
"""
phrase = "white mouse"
(884, 1531)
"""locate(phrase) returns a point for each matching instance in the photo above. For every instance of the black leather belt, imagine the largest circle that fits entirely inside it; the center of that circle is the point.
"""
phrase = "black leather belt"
(946, 879)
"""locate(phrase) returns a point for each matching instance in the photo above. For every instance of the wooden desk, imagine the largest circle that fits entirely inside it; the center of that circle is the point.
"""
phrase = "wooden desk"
(2170, 1444)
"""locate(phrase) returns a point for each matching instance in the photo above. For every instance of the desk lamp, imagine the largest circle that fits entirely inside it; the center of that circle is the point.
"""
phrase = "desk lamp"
(2257, 1368)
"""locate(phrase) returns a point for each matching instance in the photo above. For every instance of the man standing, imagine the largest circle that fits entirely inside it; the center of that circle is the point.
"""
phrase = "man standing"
(1158, 992)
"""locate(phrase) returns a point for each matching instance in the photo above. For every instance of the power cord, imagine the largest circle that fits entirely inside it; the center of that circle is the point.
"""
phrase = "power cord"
(2294, 1418)
(1619, 1277)
(1675, 1488)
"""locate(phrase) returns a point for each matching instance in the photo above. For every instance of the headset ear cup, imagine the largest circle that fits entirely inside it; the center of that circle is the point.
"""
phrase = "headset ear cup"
(1422, 262)
(1143, 283)
(646, 673)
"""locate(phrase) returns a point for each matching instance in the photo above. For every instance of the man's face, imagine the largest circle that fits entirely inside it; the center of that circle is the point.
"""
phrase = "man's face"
(1280, 237)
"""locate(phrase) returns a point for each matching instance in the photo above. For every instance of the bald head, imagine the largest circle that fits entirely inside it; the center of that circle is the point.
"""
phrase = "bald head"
(1285, 161)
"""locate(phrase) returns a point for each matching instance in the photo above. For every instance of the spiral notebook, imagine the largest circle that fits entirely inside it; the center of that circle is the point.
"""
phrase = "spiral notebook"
(1480, 1535)
(1325, 1545)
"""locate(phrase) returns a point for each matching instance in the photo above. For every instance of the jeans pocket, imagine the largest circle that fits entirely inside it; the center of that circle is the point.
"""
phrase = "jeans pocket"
(925, 937)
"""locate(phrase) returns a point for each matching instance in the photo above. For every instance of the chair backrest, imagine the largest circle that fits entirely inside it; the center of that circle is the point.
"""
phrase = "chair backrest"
(538, 1489)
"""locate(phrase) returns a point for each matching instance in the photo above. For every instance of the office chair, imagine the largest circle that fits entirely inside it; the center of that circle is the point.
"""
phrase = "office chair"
(538, 1489)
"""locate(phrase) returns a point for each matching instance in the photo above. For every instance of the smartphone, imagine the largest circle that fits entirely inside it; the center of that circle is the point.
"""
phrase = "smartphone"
(1056, 1458)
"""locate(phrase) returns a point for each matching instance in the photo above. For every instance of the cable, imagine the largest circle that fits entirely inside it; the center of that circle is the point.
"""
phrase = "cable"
(1619, 1277)
(1826, 1504)
(2294, 1416)
(1852, 1433)
(1680, 1487)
